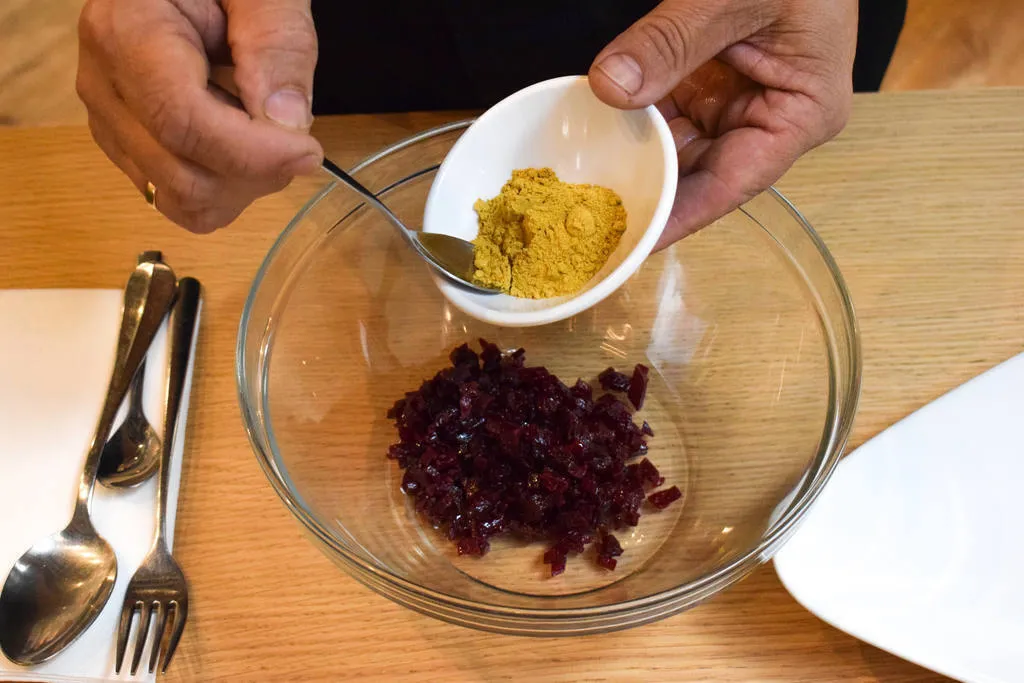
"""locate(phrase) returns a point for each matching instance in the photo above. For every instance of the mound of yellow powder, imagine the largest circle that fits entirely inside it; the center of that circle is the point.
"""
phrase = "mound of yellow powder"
(541, 237)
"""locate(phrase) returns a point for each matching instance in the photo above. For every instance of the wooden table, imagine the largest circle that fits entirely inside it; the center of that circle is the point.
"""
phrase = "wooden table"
(922, 202)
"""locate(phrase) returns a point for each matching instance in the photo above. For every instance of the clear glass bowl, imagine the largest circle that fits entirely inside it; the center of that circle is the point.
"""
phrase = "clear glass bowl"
(755, 372)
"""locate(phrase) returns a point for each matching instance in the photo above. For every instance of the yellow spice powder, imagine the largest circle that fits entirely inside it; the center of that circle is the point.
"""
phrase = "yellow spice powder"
(541, 237)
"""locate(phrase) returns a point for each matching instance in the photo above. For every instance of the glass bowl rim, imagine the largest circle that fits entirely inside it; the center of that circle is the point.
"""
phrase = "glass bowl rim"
(817, 474)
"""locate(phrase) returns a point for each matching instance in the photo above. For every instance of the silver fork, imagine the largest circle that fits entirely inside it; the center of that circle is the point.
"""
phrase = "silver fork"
(158, 586)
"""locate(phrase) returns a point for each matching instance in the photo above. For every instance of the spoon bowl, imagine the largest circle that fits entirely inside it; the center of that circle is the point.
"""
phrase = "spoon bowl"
(132, 453)
(450, 255)
(67, 578)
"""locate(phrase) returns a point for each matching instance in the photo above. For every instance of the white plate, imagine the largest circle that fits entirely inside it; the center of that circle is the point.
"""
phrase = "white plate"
(917, 543)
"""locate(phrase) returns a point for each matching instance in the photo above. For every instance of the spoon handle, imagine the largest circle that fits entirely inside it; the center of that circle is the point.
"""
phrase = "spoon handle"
(344, 177)
(370, 197)
(184, 328)
(135, 393)
(228, 96)
(147, 298)
(137, 386)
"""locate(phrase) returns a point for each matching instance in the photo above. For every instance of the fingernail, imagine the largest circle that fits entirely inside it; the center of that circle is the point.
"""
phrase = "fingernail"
(304, 166)
(624, 72)
(290, 108)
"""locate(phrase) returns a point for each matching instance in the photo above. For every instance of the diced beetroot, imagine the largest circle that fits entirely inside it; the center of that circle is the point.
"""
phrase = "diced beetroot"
(472, 546)
(577, 470)
(582, 390)
(613, 381)
(647, 473)
(463, 355)
(638, 386)
(652, 476)
(396, 409)
(490, 446)
(556, 557)
(662, 499)
(608, 549)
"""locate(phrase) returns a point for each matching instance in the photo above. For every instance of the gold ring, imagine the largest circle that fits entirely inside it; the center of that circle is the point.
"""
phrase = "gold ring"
(150, 194)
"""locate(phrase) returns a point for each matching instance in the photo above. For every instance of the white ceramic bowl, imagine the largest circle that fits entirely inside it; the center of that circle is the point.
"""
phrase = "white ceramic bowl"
(558, 124)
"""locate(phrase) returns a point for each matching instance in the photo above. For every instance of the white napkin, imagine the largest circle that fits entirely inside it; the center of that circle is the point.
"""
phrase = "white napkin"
(56, 354)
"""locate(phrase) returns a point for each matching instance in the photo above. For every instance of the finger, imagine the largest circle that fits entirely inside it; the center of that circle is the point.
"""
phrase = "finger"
(161, 73)
(831, 95)
(194, 221)
(731, 170)
(189, 195)
(274, 50)
(716, 98)
(211, 23)
(95, 92)
(650, 58)
(198, 221)
(689, 141)
(819, 49)
(107, 142)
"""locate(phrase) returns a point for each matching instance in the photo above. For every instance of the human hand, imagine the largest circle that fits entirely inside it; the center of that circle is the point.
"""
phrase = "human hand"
(747, 86)
(143, 74)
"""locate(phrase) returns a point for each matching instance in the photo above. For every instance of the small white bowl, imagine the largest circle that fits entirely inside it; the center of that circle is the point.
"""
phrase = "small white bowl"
(558, 124)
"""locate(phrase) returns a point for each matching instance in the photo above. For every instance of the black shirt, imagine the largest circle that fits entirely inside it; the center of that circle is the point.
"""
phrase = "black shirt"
(403, 55)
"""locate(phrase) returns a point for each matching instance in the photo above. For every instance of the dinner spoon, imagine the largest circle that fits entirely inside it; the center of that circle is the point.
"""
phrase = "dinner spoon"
(59, 586)
(132, 452)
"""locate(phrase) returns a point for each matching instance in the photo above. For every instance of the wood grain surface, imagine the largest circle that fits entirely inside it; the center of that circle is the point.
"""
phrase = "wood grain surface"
(921, 201)
(954, 44)
(38, 62)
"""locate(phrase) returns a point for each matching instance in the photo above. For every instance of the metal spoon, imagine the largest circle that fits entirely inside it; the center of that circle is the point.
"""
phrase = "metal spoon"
(132, 453)
(450, 257)
(58, 587)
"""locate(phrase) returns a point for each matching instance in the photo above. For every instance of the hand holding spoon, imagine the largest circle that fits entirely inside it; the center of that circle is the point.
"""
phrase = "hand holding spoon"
(59, 586)
(452, 258)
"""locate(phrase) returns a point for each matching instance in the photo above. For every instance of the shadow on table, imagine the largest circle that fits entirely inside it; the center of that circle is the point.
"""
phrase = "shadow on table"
(755, 631)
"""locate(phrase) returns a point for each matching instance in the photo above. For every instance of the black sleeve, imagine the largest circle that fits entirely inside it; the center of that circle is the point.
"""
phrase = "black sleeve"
(878, 29)
(404, 55)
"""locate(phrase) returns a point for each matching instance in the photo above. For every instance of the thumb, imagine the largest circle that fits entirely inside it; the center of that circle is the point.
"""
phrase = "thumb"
(274, 48)
(652, 56)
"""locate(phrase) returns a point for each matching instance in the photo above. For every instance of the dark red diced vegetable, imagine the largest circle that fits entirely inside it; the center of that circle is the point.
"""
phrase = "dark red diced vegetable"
(662, 499)
(608, 549)
(638, 386)
(490, 446)
(613, 381)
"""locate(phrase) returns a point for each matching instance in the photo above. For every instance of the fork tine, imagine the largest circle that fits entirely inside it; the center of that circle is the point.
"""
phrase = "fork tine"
(180, 614)
(159, 621)
(124, 630)
(140, 640)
